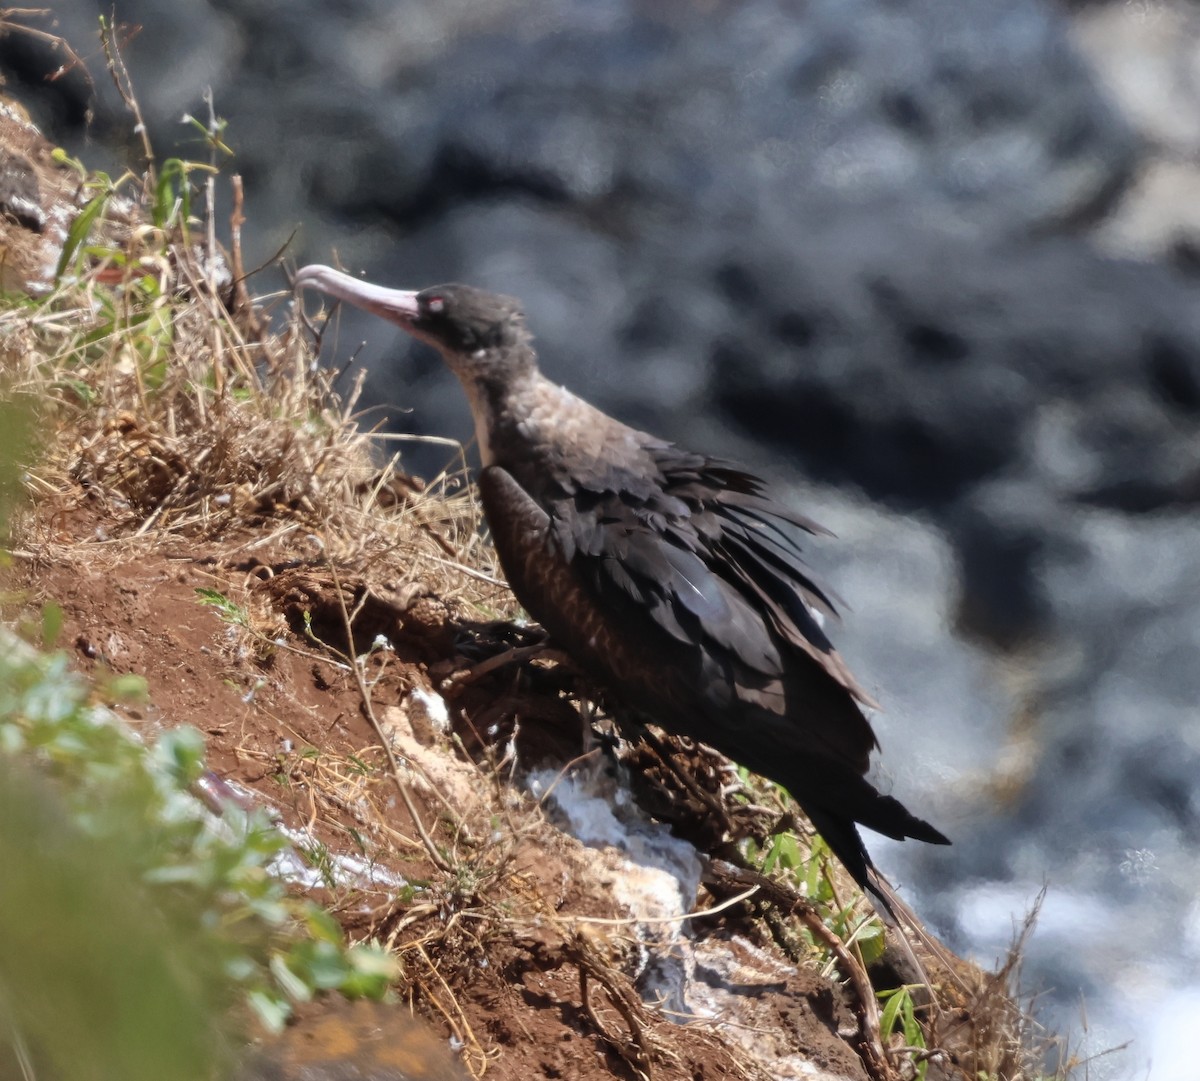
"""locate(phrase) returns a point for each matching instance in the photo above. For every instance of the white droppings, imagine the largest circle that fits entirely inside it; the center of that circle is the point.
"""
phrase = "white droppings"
(12, 111)
(654, 875)
(289, 865)
(430, 706)
(351, 871)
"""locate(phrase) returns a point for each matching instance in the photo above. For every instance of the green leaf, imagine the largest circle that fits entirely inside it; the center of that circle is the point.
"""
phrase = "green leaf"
(891, 1010)
(154, 344)
(229, 612)
(79, 388)
(372, 971)
(871, 941)
(322, 926)
(181, 751)
(321, 965)
(81, 227)
(172, 194)
(272, 1010)
(291, 984)
(128, 688)
(52, 623)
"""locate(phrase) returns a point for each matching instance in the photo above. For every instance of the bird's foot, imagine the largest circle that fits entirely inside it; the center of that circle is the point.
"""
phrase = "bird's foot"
(512, 655)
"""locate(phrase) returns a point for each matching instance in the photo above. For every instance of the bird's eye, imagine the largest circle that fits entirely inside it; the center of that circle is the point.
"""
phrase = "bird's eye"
(435, 305)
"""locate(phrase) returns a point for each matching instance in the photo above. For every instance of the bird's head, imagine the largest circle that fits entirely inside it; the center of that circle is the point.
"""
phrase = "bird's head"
(471, 328)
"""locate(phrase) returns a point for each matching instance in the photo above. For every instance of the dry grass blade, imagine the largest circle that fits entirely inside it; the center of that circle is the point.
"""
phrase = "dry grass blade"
(435, 855)
(986, 1028)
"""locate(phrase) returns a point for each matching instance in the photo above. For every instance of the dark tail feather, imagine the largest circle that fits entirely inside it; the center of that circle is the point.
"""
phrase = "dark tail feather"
(842, 797)
(845, 842)
(884, 814)
(887, 815)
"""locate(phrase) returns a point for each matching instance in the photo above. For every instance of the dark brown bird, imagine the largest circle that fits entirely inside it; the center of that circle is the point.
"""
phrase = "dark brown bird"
(672, 577)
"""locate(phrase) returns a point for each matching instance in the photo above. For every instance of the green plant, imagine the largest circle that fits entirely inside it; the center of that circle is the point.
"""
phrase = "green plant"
(810, 874)
(80, 230)
(229, 611)
(899, 1016)
(119, 794)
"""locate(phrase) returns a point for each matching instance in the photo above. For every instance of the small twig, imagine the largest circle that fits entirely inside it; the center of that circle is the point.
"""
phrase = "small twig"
(124, 85)
(438, 859)
(725, 873)
(654, 921)
(562, 773)
(470, 572)
(462, 1029)
(512, 655)
(54, 41)
(210, 193)
(636, 1050)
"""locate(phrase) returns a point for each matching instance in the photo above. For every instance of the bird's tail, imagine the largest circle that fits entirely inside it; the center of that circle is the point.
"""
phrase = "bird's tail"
(857, 802)
(845, 842)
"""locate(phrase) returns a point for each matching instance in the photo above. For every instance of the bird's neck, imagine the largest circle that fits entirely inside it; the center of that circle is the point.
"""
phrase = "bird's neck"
(516, 415)
(545, 436)
(496, 388)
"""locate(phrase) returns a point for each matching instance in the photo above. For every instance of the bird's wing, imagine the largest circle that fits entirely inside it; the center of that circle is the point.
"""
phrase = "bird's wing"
(757, 540)
(688, 596)
(716, 562)
(692, 559)
(710, 555)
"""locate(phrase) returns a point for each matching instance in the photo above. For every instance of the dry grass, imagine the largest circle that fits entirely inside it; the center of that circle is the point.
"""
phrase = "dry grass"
(182, 418)
(990, 1032)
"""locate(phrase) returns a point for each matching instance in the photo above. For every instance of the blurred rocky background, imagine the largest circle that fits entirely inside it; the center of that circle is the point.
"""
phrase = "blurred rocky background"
(933, 266)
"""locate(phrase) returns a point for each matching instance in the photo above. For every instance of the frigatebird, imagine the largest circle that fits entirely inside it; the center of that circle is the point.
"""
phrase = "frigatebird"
(673, 578)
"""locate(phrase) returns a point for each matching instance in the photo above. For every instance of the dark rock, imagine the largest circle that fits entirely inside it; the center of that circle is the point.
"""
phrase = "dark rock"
(931, 364)
(1002, 534)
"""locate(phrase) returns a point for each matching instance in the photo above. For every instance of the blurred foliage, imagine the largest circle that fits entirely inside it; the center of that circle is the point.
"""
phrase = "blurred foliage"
(98, 978)
(130, 917)
(17, 432)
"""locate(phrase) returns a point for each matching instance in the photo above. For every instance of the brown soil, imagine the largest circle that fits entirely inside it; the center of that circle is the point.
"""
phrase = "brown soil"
(492, 950)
